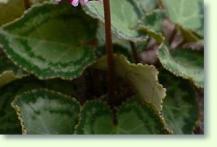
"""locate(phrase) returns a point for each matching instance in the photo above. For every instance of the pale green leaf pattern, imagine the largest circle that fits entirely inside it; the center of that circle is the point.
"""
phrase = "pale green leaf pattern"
(134, 118)
(152, 24)
(180, 106)
(146, 5)
(184, 63)
(51, 41)
(125, 17)
(46, 112)
(95, 118)
(187, 13)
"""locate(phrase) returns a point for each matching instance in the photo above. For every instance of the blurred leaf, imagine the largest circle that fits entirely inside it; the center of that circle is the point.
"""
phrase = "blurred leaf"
(154, 19)
(10, 10)
(51, 41)
(184, 63)
(188, 35)
(187, 13)
(152, 24)
(3, 1)
(146, 5)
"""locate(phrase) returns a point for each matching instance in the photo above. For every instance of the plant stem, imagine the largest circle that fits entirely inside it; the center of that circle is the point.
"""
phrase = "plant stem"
(109, 49)
(172, 36)
(134, 51)
(26, 4)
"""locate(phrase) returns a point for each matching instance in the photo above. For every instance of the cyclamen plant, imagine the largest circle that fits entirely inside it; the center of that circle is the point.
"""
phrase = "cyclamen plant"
(105, 67)
(108, 40)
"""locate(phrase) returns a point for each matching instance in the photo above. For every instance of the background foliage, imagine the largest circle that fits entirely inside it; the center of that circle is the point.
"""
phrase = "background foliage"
(53, 68)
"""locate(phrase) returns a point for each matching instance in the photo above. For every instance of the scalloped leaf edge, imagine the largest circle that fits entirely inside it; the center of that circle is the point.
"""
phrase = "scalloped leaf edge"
(18, 109)
(35, 6)
(181, 75)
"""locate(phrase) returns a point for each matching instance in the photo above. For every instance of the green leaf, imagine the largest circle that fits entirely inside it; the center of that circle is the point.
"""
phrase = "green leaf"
(125, 17)
(9, 72)
(51, 41)
(10, 10)
(95, 118)
(115, 39)
(46, 112)
(152, 24)
(146, 5)
(143, 78)
(8, 118)
(188, 35)
(154, 19)
(184, 63)
(134, 118)
(180, 108)
(187, 13)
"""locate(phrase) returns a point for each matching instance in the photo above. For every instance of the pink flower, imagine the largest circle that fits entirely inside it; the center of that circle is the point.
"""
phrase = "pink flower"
(76, 2)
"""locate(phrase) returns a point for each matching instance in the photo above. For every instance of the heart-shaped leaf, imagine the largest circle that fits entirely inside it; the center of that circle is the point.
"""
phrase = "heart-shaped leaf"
(143, 78)
(46, 112)
(184, 63)
(51, 41)
(8, 118)
(180, 108)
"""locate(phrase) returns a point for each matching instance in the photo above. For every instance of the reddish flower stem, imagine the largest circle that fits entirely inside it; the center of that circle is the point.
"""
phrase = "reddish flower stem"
(109, 49)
